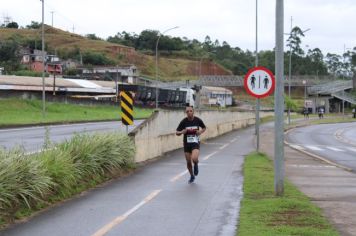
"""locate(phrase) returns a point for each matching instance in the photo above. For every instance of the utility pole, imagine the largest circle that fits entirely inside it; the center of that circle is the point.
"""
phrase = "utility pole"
(290, 66)
(52, 17)
(43, 66)
(279, 103)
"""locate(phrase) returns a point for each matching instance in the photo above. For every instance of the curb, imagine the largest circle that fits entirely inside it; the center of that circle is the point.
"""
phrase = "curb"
(316, 156)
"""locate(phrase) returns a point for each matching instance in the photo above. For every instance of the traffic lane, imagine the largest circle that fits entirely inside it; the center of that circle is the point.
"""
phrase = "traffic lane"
(322, 141)
(33, 138)
(181, 207)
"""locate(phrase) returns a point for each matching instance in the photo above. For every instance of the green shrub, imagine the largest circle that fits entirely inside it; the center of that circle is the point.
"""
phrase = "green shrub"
(23, 182)
(30, 181)
(60, 168)
(99, 153)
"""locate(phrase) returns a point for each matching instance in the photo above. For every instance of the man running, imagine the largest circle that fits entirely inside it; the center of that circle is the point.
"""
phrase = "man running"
(189, 126)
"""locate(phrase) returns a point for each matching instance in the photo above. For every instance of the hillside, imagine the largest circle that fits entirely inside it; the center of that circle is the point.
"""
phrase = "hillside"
(67, 44)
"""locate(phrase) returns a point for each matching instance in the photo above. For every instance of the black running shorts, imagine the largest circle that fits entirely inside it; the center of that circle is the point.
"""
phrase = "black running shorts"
(191, 146)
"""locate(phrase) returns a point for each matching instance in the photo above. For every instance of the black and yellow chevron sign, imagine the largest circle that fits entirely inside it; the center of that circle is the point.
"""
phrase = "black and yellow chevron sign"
(126, 108)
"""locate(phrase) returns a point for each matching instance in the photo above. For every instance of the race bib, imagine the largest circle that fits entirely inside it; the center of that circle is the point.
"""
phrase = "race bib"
(192, 139)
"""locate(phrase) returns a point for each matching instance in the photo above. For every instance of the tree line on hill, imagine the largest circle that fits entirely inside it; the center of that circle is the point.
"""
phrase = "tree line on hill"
(310, 62)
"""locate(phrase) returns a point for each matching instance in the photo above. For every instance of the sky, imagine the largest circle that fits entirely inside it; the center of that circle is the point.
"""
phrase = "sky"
(331, 22)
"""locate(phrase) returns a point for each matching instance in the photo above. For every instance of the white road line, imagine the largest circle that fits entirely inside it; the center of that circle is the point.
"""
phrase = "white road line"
(178, 176)
(352, 149)
(224, 146)
(296, 146)
(314, 148)
(233, 140)
(208, 156)
(213, 143)
(335, 149)
(311, 166)
(104, 230)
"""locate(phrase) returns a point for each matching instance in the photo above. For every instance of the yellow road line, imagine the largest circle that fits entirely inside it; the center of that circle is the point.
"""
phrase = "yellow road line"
(208, 156)
(104, 230)
(222, 147)
(178, 176)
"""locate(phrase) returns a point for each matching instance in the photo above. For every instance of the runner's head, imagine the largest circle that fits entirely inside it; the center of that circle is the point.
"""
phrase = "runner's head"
(190, 112)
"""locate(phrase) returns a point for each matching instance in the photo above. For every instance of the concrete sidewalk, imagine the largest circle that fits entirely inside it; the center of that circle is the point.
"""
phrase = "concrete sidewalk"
(331, 188)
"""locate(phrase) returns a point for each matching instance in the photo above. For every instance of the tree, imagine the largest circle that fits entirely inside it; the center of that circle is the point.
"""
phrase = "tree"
(34, 25)
(294, 41)
(147, 40)
(12, 25)
(334, 64)
(9, 55)
(92, 37)
(207, 45)
(93, 58)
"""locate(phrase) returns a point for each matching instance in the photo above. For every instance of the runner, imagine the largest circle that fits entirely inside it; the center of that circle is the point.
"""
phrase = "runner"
(189, 126)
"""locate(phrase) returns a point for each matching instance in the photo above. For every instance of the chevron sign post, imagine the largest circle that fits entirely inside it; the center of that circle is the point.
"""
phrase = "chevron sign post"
(126, 108)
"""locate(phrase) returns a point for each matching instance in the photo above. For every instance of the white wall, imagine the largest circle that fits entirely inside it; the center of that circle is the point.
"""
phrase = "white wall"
(156, 135)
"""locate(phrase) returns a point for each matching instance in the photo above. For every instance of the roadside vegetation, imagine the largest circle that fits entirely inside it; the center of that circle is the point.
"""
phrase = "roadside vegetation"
(29, 183)
(262, 213)
(24, 112)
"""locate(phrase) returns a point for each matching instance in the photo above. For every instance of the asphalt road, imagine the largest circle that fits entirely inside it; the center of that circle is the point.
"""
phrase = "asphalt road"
(335, 142)
(157, 199)
(32, 138)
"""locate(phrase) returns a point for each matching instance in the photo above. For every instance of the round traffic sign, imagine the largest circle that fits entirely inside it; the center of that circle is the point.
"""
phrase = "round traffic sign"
(259, 82)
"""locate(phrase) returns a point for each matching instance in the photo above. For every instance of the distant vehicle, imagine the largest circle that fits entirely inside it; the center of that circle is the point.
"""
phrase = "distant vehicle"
(146, 95)
(190, 96)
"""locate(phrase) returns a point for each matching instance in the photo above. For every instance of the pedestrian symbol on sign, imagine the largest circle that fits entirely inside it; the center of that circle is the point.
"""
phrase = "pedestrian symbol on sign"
(253, 80)
(259, 82)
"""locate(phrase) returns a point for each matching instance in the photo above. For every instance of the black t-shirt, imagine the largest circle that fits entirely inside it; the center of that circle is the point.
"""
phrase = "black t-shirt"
(192, 127)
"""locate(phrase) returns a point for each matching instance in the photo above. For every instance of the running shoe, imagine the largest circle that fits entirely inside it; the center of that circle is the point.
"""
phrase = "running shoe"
(191, 180)
(196, 169)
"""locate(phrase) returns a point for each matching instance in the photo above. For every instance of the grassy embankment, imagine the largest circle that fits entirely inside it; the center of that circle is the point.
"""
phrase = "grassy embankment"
(23, 112)
(262, 213)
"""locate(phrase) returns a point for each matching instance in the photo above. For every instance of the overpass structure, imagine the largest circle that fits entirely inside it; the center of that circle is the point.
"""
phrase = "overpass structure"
(331, 95)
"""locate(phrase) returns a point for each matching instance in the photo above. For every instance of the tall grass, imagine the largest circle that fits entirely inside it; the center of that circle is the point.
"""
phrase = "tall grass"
(22, 182)
(30, 182)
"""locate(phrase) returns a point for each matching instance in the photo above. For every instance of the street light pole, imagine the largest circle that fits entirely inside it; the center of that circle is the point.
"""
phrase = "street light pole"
(290, 64)
(43, 66)
(159, 36)
(257, 124)
(279, 103)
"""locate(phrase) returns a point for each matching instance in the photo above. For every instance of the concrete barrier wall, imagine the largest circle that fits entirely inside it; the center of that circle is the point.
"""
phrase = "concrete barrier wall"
(156, 135)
